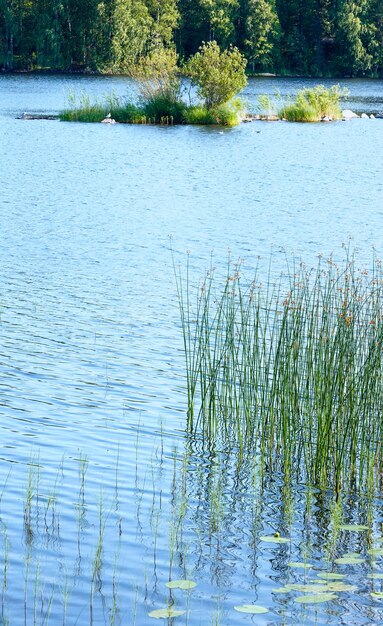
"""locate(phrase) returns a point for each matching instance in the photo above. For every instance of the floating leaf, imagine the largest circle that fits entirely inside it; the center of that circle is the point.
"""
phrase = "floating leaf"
(331, 575)
(285, 589)
(349, 560)
(165, 613)
(181, 584)
(316, 598)
(379, 539)
(340, 586)
(376, 551)
(355, 528)
(251, 608)
(299, 565)
(378, 595)
(274, 539)
(308, 588)
(376, 575)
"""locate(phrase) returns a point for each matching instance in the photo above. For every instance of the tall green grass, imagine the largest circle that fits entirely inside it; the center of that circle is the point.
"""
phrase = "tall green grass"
(291, 368)
(309, 105)
(156, 109)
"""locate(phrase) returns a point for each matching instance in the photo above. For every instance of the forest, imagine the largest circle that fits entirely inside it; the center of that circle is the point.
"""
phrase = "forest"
(287, 37)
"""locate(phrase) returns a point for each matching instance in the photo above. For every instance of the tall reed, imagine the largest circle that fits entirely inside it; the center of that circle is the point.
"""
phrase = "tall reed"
(291, 368)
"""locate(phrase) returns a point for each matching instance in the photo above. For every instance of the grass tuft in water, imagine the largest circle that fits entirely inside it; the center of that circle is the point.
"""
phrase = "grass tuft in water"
(291, 368)
(309, 105)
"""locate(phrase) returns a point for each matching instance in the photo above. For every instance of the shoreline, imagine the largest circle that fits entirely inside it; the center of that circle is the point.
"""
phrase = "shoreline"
(84, 73)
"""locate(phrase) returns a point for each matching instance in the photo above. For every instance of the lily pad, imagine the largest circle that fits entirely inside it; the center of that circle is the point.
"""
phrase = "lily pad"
(355, 528)
(331, 575)
(340, 586)
(316, 598)
(299, 565)
(378, 595)
(376, 575)
(376, 551)
(309, 587)
(285, 589)
(274, 539)
(181, 584)
(165, 613)
(349, 560)
(254, 609)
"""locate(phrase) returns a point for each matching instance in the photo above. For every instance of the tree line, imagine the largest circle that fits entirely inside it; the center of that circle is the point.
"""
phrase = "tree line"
(305, 37)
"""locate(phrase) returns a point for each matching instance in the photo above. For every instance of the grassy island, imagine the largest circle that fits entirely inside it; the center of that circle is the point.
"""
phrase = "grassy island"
(309, 105)
(217, 76)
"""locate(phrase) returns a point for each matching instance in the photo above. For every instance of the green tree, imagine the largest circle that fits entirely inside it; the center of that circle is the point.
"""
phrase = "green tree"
(220, 16)
(219, 76)
(261, 30)
(158, 74)
(131, 28)
(165, 18)
(207, 20)
(352, 56)
(374, 32)
(15, 34)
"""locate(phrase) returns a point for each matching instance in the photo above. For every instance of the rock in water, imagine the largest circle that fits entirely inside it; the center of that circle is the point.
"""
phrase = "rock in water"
(347, 114)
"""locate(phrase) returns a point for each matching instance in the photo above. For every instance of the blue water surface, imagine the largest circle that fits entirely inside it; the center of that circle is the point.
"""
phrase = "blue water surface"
(92, 395)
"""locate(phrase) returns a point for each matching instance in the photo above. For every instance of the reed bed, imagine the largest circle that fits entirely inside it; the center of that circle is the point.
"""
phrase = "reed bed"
(290, 368)
(158, 109)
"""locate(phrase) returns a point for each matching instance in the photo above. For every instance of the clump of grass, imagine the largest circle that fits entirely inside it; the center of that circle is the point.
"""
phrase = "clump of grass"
(82, 109)
(163, 109)
(294, 372)
(199, 114)
(159, 108)
(300, 112)
(228, 114)
(309, 105)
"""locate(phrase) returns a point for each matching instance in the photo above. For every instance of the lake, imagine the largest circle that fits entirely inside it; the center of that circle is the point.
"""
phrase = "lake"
(104, 497)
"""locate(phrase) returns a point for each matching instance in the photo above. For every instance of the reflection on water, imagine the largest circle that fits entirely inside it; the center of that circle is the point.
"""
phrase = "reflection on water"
(92, 396)
(242, 536)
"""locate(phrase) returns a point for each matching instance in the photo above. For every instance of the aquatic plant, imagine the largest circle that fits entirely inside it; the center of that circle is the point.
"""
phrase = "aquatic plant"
(309, 104)
(291, 369)
(159, 109)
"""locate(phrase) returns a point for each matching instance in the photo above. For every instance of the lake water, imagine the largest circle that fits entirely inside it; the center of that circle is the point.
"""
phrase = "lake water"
(103, 501)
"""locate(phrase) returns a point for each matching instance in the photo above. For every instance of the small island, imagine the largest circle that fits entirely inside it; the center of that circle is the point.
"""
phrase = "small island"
(217, 76)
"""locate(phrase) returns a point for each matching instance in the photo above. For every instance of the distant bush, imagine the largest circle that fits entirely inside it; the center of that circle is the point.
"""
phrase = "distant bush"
(160, 108)
(300, 112)
(199, 114)
(309, 104)
(219, 76)
(157, 74)
(230, 113)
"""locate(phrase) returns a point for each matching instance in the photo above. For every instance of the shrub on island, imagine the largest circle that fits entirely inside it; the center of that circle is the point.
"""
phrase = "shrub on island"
(160, 91)
(309, 105)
